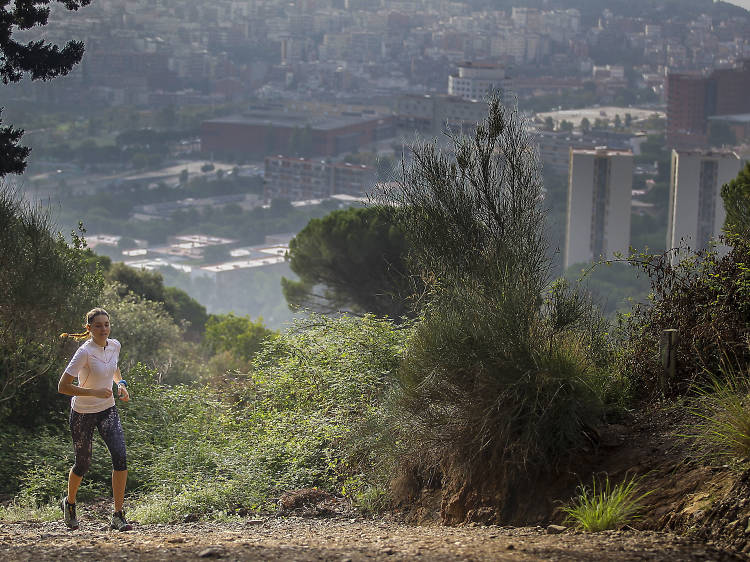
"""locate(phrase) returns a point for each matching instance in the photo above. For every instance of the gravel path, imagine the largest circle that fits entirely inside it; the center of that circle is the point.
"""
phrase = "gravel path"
(340, 539)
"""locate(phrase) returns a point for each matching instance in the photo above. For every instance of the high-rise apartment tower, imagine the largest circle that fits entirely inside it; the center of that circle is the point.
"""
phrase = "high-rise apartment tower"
(696, 210)
(600, 183)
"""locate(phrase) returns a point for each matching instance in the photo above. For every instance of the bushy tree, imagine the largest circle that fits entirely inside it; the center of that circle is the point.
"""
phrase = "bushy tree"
(40, 59)
(46, 286)
(185, 310)
(149, 285)
(149, 335)
(142, 282)
(238, 335)
(353, 260)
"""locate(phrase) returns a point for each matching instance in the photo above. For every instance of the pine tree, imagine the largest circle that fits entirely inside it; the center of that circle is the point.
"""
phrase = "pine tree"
(40, 59)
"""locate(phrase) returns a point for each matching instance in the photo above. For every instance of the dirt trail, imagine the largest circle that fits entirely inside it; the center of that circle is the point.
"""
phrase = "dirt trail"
(340, 539)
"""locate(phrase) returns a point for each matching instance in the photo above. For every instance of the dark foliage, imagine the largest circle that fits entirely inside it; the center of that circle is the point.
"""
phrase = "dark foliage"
(706, 297)
(40, 59)
(45, 286)
(12, 156)
(150, 285)
(354, 260)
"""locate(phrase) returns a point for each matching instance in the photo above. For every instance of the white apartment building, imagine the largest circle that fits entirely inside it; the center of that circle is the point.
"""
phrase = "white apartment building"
(696, 210)
(477, 81)
(600, 183)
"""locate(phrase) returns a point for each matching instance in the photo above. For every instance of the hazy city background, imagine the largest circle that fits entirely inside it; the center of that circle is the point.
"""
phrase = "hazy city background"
(198, 138)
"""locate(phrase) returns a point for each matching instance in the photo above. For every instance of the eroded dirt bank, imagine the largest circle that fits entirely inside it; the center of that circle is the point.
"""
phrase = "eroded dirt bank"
(341, 539)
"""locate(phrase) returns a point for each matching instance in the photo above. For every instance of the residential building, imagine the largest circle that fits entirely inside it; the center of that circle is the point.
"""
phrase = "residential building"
(299, 179)
(600, 183)
(478, 81)
(693, 97)
(696, 210)
(435, 113)
(554, 146)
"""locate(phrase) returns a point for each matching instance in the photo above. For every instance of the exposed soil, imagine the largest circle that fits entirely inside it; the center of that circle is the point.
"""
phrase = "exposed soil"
(689, 494)
(341, 539)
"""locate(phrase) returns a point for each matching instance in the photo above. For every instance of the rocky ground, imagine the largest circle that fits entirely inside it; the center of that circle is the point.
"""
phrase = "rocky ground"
(341, 539)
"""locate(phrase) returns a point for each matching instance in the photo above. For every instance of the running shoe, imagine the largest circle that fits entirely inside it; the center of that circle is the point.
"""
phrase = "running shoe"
(119, 523)
(69, 514)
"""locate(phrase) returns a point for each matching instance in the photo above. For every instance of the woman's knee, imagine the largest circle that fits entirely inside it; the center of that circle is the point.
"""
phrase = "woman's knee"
(81, 467)
(119, 461)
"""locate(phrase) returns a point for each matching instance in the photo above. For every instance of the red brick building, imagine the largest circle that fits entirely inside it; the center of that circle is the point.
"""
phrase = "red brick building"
(692, 98)
(261, 133)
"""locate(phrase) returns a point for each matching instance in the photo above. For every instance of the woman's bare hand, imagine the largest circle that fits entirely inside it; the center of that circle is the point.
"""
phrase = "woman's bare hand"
(122, 393)
(102, 392)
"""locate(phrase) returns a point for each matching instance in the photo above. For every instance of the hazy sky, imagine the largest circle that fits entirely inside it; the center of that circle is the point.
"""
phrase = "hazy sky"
(744, 3)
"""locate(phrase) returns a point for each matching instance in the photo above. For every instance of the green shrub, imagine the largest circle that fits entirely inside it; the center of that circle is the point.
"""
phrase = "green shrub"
(36, 463)
(42, 484)
(15, 512)
(469, 391)
(603, 507)
(149, 335)
(301, 419)
(239, 335)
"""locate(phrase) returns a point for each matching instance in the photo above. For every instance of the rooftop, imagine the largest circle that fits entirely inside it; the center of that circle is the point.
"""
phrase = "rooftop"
(707, 152)
(243, 264)
(489, 65)
(736, 118)
(602, 151)
(296, 119)
(200, 240)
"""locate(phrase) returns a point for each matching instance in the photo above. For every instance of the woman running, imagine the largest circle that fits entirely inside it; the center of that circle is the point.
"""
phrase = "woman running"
(93, 406)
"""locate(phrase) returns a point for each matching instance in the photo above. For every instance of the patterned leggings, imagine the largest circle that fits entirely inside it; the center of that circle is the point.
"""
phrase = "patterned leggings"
(109, 426)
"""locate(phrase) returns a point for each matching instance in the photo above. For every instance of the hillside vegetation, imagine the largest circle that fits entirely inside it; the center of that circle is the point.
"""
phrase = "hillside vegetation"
(503, 382)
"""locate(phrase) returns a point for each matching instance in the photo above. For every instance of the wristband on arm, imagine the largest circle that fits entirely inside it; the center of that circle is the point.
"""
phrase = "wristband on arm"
(122, 382)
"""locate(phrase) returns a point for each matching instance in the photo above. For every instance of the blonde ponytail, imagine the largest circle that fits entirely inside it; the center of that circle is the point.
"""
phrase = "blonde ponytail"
(78, 337)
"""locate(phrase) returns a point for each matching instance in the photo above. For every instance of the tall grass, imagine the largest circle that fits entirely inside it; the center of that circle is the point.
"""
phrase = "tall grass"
(602, 506)
(17, 511)
(723, 408)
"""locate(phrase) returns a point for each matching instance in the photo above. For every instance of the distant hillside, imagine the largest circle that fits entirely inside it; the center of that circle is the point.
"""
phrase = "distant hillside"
(639, 8)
